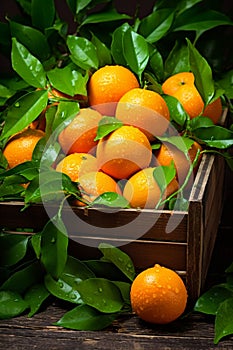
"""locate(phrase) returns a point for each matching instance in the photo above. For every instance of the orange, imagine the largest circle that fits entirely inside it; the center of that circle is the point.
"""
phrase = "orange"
(181, 86)
(144, 109)
(142, 190)
(168, 152)
(95, 183)
(123, 152)
(158, 295)
(20, 147)
(107, 85)
(79, 135)
(214, 110)
(77, 164)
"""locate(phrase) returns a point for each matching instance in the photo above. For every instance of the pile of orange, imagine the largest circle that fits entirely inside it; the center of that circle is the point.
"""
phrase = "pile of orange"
(124, 155)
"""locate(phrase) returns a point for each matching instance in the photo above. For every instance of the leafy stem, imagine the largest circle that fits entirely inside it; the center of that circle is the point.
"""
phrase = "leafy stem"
(184, 184)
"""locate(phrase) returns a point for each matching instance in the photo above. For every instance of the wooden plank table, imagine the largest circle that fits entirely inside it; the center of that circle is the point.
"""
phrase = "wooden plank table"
(193, 331)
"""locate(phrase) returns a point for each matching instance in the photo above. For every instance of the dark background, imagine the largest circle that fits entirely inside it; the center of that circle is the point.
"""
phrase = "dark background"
(223, 35)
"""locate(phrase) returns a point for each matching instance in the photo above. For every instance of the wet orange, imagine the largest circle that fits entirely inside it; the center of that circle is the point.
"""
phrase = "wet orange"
(20, 147)
(107, 85)
(79, 135)
(77, 164)
(181, 86)
(142, 190)
(123, 152)
(95, 183)
(168, 152)
(144, 109)
(158, 295)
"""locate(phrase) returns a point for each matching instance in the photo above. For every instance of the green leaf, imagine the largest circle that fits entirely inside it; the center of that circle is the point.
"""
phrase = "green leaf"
(48, 186)
(44, 153)
(125, 290)
(106, 126)
(63, 290)
(224, 320)
(101, 294)
(36, 243)
(34, 41)
(181, 204)
(200, 21)
(54, 243)
(26, 6)
(35, 296)
(9, 189)
(6, 92)
(11, 304)
(26, 109)
(199, 122)
(83, 52)
(80, 5)
(156, 62)
(209, 302)
(21, 280)
(27, 169)
(27, 66)
(76, 270)
(136, 51)
(156, 25)
(85, 318)
(152, 82)
(202, 72)
(117, 44)
(103, 53)
(111, 199)
(214, 136)
(68, 80)
(15, 83)
(119, 259)
(177, 112)
(65, 287)
(163, 175)
(177, 60)
(105, 16)
(105, 269)
(13, 248)
(183, 143)
(65, 113)
(42, 13)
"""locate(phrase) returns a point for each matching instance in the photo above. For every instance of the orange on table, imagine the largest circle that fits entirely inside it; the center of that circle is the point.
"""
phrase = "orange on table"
(142, 191)
(107, 85)
(79, 135)
(181, 86)
(144, 109)
(95, 183)
(20, 147)
(77, 164)
(158, 295)
(214, 110)
(123, 152)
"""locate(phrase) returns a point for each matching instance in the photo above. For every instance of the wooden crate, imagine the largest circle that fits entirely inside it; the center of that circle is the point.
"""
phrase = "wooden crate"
(186, 249)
